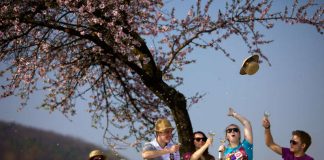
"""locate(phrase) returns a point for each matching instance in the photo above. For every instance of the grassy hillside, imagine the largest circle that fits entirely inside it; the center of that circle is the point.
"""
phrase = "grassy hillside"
(18, 142)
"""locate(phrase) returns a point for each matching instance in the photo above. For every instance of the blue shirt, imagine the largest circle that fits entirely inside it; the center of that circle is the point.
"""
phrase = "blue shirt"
(244, 151)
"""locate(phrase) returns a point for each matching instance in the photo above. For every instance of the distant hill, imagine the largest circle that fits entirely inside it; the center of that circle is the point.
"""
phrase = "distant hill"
(18, 142)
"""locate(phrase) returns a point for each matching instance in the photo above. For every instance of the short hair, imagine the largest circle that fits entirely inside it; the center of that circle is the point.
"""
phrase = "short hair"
(304, 138)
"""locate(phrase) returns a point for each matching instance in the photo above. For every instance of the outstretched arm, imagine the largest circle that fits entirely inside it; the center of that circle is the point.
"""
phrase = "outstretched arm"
(157, 153)
(268, 137)
(245, 122)
(154, 153)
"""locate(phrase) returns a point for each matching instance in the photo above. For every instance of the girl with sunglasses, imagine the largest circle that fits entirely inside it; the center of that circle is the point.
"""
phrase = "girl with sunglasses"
(236, 149)
(201, 143)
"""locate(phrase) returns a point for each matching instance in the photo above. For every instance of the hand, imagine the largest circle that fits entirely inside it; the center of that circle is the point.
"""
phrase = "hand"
(221, 148)
(209, 141)
(265, 122)
(231, 112)
(174, 148)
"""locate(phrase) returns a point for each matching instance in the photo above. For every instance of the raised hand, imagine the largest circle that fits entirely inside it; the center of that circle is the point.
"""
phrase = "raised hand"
(231, 112)
(265, 122)
(221, 148)
(210, 141)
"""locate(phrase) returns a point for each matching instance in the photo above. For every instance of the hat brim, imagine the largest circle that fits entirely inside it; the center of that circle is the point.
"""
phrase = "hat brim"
(161, 130)
(97, 155)
(253, 58)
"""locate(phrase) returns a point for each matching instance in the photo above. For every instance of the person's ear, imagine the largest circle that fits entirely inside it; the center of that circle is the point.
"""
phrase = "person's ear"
(303, 146)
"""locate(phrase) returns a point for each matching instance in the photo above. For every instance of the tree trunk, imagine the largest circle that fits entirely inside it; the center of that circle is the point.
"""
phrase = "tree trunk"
(182, 120)
(176, 101)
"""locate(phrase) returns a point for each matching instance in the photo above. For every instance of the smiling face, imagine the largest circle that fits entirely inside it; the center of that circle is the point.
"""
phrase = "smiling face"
(199, 140)
(165, 136)
(296, 146)
(233, 133)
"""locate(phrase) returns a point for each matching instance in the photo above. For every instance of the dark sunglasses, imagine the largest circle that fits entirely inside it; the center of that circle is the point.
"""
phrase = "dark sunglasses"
(293, 142)
(230, 130)
(199, 139)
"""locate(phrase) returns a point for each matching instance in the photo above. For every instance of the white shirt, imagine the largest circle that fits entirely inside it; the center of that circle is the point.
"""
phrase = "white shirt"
(154, 145)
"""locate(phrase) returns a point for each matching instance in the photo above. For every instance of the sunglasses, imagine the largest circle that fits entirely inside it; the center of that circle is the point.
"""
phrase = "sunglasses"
(230, 130)
(199, 139)
(293, 142)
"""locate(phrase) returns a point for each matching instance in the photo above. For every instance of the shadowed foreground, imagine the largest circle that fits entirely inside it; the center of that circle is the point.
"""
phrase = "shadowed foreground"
(20, 142)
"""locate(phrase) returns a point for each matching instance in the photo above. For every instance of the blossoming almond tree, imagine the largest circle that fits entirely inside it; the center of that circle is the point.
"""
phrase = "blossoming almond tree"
(71, 50)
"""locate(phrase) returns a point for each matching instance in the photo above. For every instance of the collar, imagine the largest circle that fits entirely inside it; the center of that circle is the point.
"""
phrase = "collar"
(157, 145)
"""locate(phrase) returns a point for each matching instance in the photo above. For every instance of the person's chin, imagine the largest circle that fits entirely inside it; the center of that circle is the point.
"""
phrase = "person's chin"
(234, 139)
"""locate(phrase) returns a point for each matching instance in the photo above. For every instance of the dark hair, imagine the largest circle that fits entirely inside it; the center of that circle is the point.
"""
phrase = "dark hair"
(304, 138)
(204, 136)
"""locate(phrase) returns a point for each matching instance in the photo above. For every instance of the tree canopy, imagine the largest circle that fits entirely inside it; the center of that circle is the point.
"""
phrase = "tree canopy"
(100, 51)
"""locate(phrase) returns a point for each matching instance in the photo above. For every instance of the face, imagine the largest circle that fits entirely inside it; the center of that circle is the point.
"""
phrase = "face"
(295, 145)
(165, 136)
(199, 140)
(233, 133)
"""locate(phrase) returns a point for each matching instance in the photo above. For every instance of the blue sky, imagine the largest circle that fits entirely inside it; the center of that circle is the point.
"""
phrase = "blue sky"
(292, 90)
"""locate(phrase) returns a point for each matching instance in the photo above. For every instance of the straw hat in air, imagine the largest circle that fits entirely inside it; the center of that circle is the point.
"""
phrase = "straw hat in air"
(250, 65)
(96, 153)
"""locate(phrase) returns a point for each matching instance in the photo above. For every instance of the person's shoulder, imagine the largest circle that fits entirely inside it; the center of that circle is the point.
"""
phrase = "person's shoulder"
(286, 152)
(147, 143)
(152, 142)
(148, 146)
(284, 149)
(247, 143)
(308, 157)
